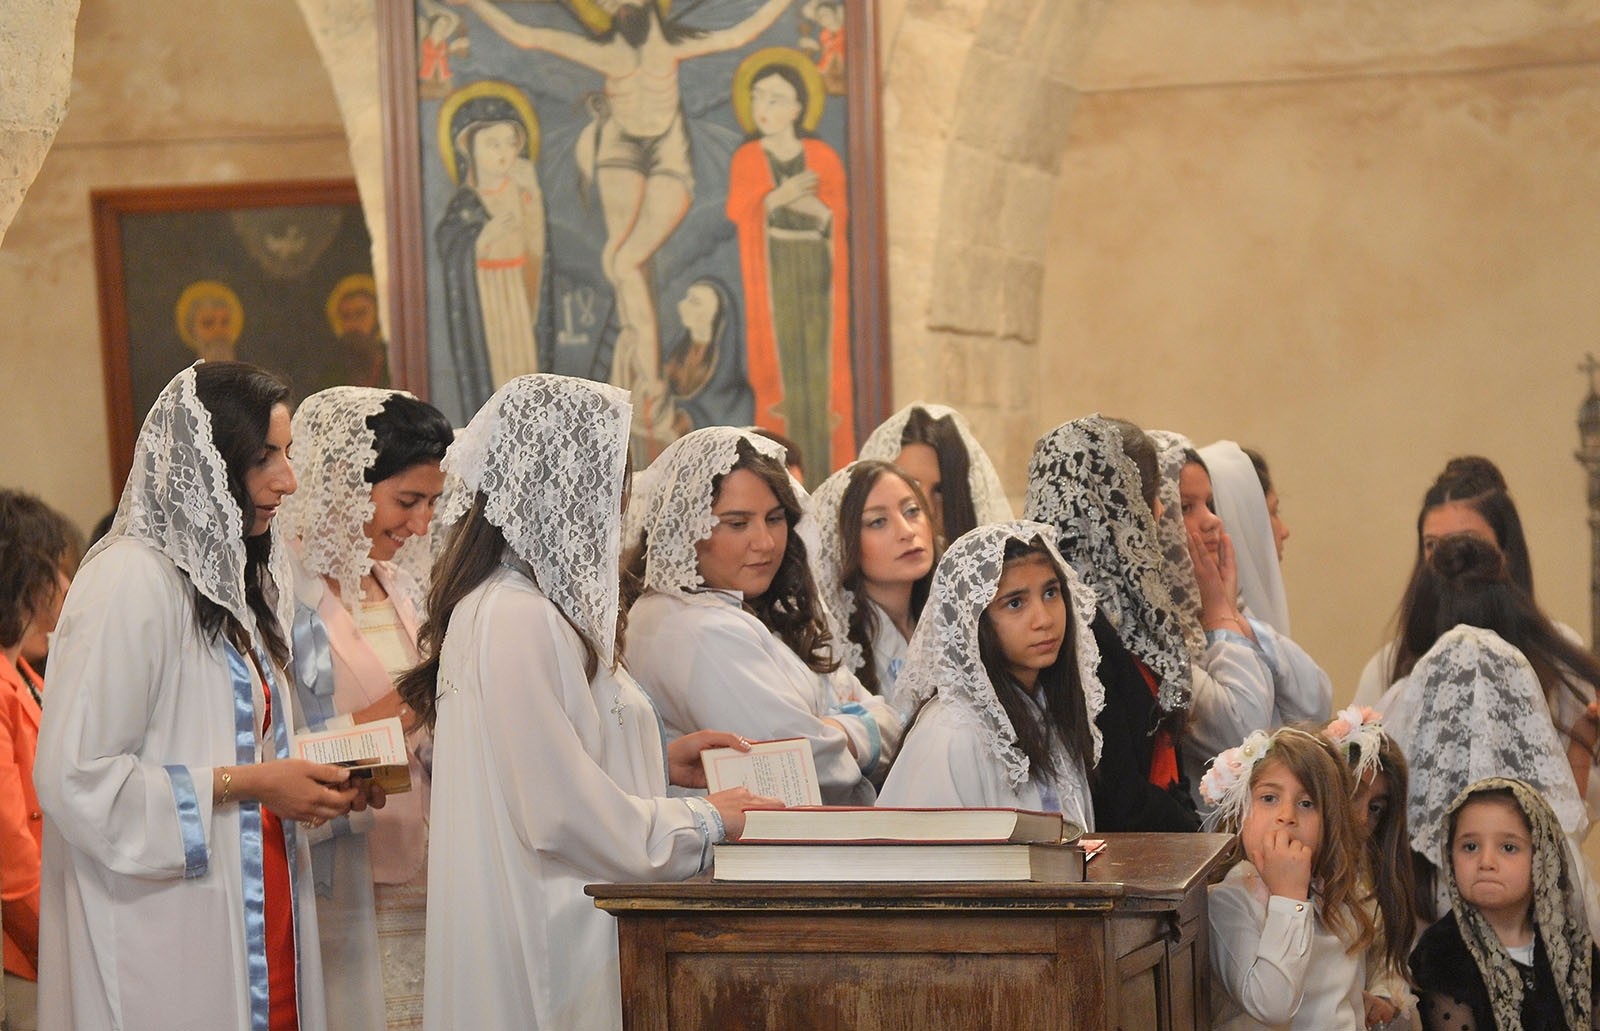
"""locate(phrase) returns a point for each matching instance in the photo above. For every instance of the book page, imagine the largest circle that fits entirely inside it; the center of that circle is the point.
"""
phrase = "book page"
(382, 743)
(778, 769)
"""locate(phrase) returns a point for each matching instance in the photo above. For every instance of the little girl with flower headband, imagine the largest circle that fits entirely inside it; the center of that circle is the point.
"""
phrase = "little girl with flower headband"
(1288, 931)
(1387, 884)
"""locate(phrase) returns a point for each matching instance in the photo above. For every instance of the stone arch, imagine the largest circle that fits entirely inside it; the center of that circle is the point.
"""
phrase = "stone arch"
(36, 48)
(971, 171)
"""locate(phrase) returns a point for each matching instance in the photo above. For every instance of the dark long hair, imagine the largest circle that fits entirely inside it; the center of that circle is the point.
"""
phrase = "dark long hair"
(1467, 580)
(863, 477)
(959, 513)
(1066, 714)
(35, 543)
(240, 399)
(802, 93)
(789, 608)
(1390, 863)
(406, 432)
(1476, 482)
(471, 556)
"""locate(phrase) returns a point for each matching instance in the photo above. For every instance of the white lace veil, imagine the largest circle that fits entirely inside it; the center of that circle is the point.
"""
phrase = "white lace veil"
(672, 501)
(1083, 484)
(333, 449)
(1173, 536)
(177, 501)
(1472, 708)
(943, 657)
(1243, 509)
(989, 500)
(549, 454)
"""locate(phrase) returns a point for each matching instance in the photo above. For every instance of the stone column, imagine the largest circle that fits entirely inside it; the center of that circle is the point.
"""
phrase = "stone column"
(35, 76)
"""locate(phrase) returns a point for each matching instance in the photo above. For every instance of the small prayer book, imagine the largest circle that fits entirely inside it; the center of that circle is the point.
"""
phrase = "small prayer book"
(376, 750)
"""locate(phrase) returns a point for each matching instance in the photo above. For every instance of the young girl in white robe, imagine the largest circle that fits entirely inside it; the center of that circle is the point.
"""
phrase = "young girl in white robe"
(1289, 932)
(548, 768)
(176, 888)
(727, 630)
(872, 548)
(369, 478)
(1004, 672)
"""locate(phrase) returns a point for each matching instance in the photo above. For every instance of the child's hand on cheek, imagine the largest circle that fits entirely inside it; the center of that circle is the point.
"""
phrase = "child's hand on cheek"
(1284, 865)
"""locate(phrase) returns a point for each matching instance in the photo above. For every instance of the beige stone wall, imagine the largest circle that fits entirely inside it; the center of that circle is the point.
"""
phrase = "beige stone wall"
(1363, 247)
(201, 92)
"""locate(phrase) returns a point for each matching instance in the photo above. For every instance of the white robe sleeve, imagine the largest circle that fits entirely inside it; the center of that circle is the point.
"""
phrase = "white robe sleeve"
(1375, 676)
(1261, 955)
(1301, 690)
(710, 669)
(1232, 696)
(120, 643)
(942, 765)
(543, 730)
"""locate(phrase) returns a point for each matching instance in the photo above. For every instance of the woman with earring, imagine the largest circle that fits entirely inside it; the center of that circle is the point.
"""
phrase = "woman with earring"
(172, 808)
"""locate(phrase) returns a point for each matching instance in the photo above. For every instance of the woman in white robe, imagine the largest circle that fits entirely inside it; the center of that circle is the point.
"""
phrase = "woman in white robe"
(162, 766)
(934, 444)
(871, 541)
(983, 735)
(1249, 675)
(368, 461)
(548, 767)
(728, 630)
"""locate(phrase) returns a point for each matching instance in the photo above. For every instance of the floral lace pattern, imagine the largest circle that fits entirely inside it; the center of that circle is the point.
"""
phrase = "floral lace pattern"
(820, 528)
(177, 501)
(1474, 709)
(943, 657)
(672, 501)
(1173, 536)
(549, 454)
(1082, 483)
(989, 499)
(333, 449)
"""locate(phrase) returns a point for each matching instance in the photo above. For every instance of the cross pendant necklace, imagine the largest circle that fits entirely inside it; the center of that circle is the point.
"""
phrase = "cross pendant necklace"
(617, 708)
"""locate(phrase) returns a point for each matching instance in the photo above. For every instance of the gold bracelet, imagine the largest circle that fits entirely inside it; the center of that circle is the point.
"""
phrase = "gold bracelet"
(227, 785)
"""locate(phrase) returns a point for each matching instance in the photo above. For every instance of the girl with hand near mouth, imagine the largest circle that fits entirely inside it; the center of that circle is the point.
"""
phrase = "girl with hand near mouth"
(1002, 678)
(873, 551)
(1246, 673)
(369, 479)
(725, 628)
(1289, 932)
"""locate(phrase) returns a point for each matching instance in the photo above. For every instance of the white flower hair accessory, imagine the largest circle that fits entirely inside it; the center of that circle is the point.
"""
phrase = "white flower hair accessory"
(1226, 784)
(1358, 734)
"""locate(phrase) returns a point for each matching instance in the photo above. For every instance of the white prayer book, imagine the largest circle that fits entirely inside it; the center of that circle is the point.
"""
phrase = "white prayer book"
(783, 769)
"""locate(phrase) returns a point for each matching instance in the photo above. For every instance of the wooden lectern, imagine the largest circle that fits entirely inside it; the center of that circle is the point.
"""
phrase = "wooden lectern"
(1128, 948)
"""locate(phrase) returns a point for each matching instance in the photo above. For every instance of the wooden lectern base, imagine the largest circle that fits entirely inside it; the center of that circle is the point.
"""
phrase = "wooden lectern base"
(1127, 948)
